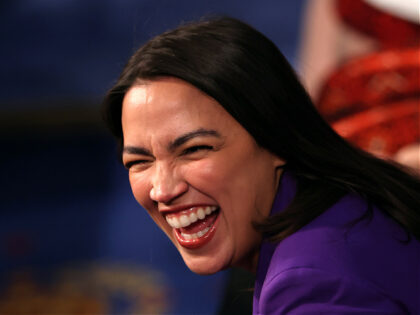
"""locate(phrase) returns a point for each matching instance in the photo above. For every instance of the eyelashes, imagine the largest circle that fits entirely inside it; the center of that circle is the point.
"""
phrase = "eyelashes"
(197, 148)
(193, 150)
(128, 165)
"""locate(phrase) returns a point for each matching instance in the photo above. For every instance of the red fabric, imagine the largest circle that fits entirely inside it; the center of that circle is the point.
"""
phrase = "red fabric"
(384, 129)
(374, 101)
(369, 81)
(389, 30)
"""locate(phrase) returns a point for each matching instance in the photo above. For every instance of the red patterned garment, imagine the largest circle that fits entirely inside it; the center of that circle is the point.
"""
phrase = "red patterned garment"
(389, 30)
(374, 100)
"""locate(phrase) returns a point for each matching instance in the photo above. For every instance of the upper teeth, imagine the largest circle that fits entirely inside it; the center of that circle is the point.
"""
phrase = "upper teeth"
(185, 219)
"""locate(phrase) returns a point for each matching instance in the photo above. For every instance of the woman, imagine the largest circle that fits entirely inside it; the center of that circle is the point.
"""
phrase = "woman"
(228, 155)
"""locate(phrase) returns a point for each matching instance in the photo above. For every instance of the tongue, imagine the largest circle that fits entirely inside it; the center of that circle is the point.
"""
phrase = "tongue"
(200, 224)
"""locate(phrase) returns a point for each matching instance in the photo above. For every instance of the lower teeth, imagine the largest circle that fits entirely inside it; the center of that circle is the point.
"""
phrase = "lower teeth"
(195, 235)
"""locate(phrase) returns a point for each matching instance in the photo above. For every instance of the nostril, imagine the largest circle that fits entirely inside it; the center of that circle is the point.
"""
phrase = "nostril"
(158, 195)
(167, 183)
(168, 192)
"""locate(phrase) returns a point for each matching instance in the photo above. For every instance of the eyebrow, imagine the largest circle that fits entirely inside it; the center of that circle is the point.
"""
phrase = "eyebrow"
(137, 150)
(190, 135)
(176, 143)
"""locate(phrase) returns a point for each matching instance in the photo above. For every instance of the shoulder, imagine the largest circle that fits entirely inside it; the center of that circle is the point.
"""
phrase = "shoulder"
(304, 290)
(329, 257)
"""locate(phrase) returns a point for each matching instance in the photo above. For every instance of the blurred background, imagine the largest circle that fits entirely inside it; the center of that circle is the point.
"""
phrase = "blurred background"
(72, 238)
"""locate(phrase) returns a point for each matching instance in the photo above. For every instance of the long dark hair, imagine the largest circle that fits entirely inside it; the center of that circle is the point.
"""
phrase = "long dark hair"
(246, 73)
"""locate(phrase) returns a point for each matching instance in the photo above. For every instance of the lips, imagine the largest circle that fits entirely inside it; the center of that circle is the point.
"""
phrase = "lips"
(194, 227)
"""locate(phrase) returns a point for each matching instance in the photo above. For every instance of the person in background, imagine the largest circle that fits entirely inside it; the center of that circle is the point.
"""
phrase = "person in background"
(360, 63)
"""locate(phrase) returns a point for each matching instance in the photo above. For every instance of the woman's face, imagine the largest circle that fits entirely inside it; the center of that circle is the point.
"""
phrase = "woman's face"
(200, 175)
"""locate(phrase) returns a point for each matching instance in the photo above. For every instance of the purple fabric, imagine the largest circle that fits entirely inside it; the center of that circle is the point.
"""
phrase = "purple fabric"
(329, 268)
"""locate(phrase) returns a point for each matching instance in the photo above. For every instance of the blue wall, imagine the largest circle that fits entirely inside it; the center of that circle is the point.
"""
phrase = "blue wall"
(71, 234)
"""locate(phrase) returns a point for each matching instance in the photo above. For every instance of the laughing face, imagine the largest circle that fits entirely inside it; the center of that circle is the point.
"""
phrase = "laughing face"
(200, 175)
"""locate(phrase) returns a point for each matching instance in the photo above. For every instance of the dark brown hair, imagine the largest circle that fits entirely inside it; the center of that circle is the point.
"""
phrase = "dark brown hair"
(246, 73)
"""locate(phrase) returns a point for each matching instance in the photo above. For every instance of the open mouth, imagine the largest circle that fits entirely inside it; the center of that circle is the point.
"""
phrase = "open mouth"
(194, 227)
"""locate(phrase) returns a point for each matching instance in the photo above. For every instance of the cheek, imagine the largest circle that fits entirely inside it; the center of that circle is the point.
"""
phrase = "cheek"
(207, 173)
(140, 188)
(221, 180)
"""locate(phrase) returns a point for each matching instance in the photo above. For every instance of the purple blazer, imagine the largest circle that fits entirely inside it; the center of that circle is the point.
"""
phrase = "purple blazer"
(322, 270)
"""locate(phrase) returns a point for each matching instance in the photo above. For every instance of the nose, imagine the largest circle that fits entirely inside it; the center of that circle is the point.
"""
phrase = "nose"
(167, 184)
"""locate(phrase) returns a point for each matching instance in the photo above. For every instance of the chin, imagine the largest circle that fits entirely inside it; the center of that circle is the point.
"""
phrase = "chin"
(204, 265)
(204, 269)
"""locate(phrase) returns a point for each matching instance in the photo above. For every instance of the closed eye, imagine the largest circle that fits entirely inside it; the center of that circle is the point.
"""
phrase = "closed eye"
(196, 148)
(130, 164)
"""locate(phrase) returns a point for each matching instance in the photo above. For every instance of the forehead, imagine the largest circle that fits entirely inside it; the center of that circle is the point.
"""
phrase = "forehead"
(171, 104)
